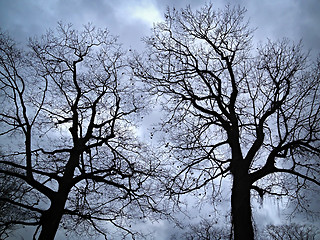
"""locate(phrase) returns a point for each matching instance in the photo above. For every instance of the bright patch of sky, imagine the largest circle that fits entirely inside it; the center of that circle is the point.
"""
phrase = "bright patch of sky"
(132, 20)
(145, 11)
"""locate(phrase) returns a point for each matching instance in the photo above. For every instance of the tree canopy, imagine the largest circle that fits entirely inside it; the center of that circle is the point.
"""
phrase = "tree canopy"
(232, 112)
(68, 141)
(232, 109)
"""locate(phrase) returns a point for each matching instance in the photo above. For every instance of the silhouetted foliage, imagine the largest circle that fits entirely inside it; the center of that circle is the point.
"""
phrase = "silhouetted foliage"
(70, 157)
(233, 110)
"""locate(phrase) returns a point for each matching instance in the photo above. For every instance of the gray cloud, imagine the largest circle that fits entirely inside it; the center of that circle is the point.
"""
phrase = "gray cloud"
(275, 19)
(294, 19)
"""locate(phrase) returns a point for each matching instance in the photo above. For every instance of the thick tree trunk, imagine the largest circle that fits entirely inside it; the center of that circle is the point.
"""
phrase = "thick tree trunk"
(51, 219)
(241, 208)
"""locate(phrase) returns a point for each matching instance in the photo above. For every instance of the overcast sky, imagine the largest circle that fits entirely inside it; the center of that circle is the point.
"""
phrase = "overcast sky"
(133, 19)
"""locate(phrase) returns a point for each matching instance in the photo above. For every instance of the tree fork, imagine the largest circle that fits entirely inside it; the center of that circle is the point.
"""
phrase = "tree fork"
(50, 220)
(52, 217)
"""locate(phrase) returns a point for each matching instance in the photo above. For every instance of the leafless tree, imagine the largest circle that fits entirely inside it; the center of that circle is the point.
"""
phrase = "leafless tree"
(209, 230)
(205, 230)
(292, 231)
(233, 110)
(68, 140)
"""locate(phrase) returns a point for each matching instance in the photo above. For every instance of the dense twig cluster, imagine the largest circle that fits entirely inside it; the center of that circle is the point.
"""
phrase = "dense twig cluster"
(70, 150)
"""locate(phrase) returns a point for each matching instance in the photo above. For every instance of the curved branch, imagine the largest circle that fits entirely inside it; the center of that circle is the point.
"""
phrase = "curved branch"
(300, 175)
(18, 204)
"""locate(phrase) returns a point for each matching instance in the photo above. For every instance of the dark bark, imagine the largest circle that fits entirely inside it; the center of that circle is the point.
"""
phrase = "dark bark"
(264, 102)
(240, 196)
(51, 218)
(241, 207)
(68, 81)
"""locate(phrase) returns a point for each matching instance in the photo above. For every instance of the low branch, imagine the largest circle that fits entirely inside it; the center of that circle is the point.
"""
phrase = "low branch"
(18, 204)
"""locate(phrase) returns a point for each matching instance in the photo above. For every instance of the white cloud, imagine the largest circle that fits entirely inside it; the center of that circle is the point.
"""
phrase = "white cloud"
(145, 11)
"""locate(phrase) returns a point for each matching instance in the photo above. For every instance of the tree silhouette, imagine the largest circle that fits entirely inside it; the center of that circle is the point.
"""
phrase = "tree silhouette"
(9, 186)
(67, 135)
(292, 231)
(233, 110)
(205, 229)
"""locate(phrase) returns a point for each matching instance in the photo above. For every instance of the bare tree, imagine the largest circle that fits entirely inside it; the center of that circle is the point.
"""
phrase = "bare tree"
(233, 110)
(292, 231)
(68, 140)
(209, 230)
(205, 230)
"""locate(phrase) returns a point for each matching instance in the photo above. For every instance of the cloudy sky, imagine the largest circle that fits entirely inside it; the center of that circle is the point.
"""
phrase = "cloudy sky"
(133, 19)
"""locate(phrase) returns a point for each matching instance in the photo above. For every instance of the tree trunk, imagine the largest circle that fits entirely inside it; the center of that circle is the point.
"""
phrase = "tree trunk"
(51, 219)
(241, 208)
